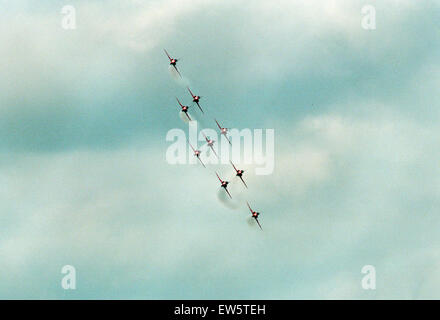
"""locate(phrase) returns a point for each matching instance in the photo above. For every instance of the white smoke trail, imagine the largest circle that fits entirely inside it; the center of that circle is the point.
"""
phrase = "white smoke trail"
(237, 191)
(180, 80)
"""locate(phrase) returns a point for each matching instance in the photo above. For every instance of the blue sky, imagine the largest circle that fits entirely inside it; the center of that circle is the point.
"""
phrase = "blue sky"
(83, 177)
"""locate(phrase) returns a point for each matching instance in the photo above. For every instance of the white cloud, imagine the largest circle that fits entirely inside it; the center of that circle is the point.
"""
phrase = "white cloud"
(339, 176)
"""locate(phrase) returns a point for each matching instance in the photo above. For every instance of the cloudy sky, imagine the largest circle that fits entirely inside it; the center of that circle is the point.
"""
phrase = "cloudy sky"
(84, 181)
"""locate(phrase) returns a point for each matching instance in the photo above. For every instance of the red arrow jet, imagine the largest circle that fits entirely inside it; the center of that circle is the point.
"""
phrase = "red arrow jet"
(196, 99)
(239, 173)
(210, 143)
(173, 62)
(224, 184)
(197, 154)
(223, 131)
(254, 215)
(184, 109)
